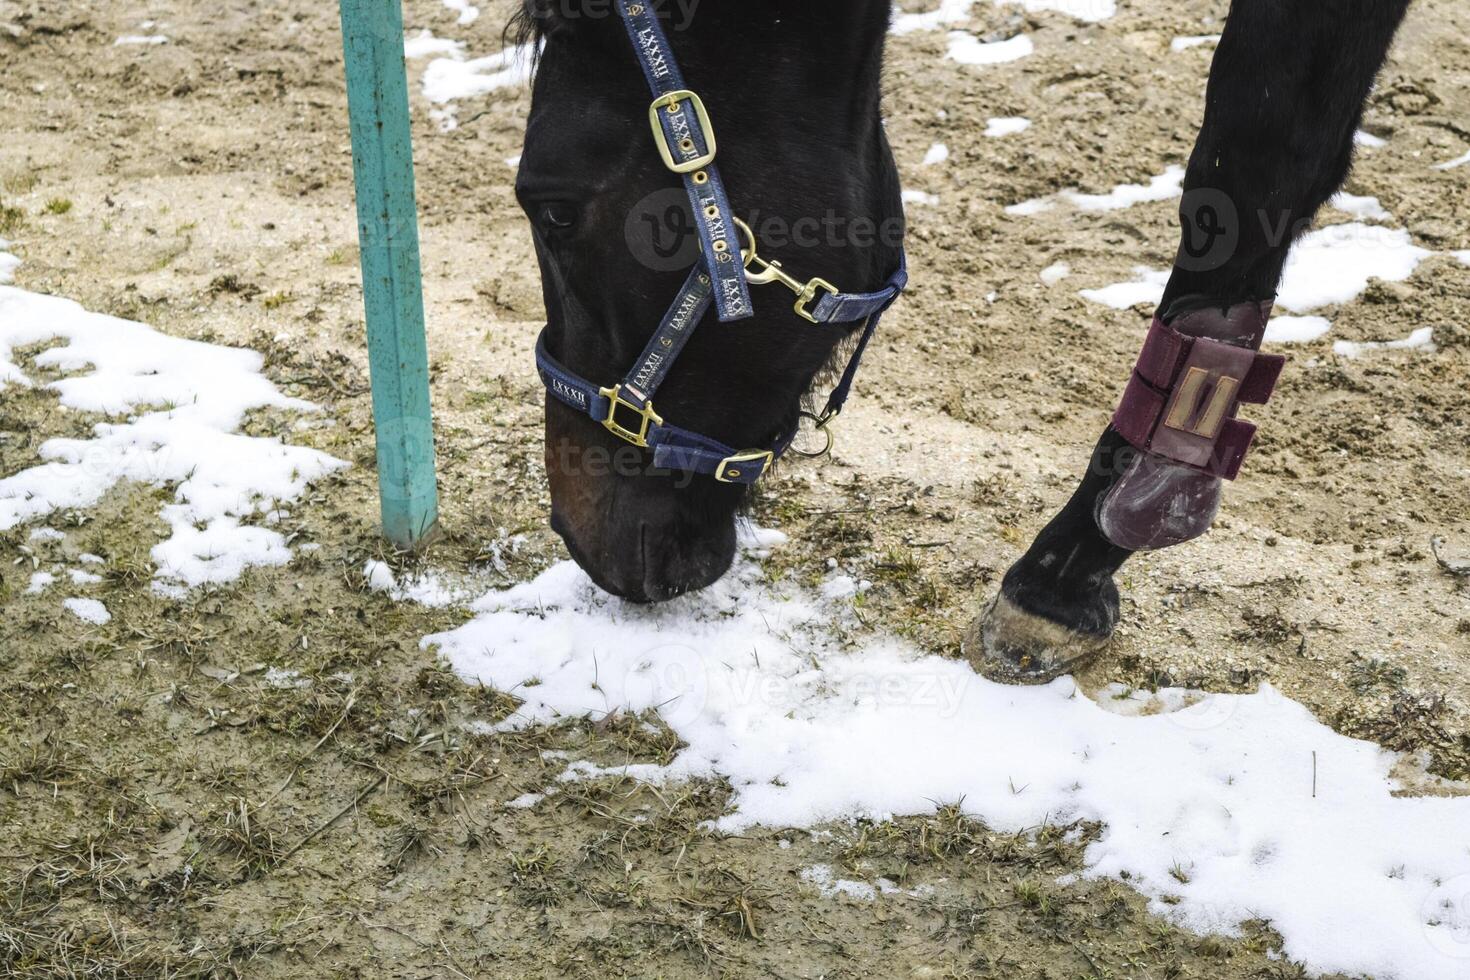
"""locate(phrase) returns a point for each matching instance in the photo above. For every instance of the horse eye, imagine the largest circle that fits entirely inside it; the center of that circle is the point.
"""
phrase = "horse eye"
(558, 214)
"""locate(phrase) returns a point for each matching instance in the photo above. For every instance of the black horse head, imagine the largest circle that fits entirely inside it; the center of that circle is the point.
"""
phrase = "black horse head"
(792, 89)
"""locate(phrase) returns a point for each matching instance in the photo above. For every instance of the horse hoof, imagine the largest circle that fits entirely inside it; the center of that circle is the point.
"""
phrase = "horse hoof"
(1008, 645)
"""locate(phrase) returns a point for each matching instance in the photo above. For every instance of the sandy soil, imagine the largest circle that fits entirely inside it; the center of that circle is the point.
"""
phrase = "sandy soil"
(162, 817)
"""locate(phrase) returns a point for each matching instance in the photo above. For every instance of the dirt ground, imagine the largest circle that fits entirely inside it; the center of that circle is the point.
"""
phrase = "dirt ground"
(166, 811)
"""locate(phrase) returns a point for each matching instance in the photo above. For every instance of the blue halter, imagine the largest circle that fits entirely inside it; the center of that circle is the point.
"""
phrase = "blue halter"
(686, 141)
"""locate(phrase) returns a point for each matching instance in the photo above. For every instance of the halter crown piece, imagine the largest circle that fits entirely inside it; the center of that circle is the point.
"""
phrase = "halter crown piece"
(686, 141)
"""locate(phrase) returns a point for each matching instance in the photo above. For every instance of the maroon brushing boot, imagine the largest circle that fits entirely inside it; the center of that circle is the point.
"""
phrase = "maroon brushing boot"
(1155, 481)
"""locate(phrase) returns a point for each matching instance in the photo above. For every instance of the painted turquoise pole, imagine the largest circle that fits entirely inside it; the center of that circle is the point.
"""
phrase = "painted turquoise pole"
(388, 237)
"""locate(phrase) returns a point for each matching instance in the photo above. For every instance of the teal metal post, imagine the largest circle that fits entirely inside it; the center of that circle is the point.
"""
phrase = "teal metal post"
(388, 238)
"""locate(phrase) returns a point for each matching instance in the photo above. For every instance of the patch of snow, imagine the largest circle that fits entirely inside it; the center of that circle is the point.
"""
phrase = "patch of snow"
(1334, 264)
(1296, 329)
(468, 13)
(449, 79)
(1421, 339)
(1462, 257)
(525, 801)
(505, 546)
(1035, 205)
(947, 14)
(811, 720)
(88, 611)
(967, 49)
(1327, 266)
(998, 126)
(920, 197)
(1163, 187)
(426, 588)
(46, 534)
(831, 886)
(425, 44)
(1458, 161)
(1193, 41)
(40, 582)
(87, 558)
(143, 39)
(1359, 206)
(514, 162)
(1147, 286)
(8, 264)
(281, 677)
(844, 587)
(1366, 139)
(889, 887)
(80, 577)
(174, 408)
(1055, 273)
(938, 153)
(447, 117)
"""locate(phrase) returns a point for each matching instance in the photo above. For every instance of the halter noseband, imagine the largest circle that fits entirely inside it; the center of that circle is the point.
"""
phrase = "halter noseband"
(686, 141)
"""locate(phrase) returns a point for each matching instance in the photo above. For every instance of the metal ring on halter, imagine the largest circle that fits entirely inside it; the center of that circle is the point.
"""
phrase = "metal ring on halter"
(820, 424)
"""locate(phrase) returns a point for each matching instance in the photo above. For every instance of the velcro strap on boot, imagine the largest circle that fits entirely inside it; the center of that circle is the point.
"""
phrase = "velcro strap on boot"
(1183, 396)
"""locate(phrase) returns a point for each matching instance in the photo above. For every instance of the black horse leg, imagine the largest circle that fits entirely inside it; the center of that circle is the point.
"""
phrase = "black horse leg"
(1285, 98)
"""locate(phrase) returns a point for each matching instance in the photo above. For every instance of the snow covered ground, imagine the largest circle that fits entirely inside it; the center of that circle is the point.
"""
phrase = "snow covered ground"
(172, 411)
(1328, 266)
(1221, 808)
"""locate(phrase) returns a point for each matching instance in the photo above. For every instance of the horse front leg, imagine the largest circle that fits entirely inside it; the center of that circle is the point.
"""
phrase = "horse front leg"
(1285, 97)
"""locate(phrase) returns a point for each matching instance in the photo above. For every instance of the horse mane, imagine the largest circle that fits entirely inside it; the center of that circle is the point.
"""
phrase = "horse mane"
(528, 23)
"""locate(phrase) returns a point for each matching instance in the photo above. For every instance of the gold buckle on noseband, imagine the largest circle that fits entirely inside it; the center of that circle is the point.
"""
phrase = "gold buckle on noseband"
(731, 467)
(647, 417)
(670, 103)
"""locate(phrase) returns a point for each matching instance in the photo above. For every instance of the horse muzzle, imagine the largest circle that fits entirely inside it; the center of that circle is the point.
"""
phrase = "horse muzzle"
(645, 537)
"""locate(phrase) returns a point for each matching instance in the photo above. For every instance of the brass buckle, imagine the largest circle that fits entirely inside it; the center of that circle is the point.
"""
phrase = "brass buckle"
(670, 102)
(760, 272)
(727, 472)
(647, 417)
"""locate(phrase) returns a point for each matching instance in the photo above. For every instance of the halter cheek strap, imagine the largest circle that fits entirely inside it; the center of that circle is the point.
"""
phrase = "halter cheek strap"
(722, 279)
(686, 141)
